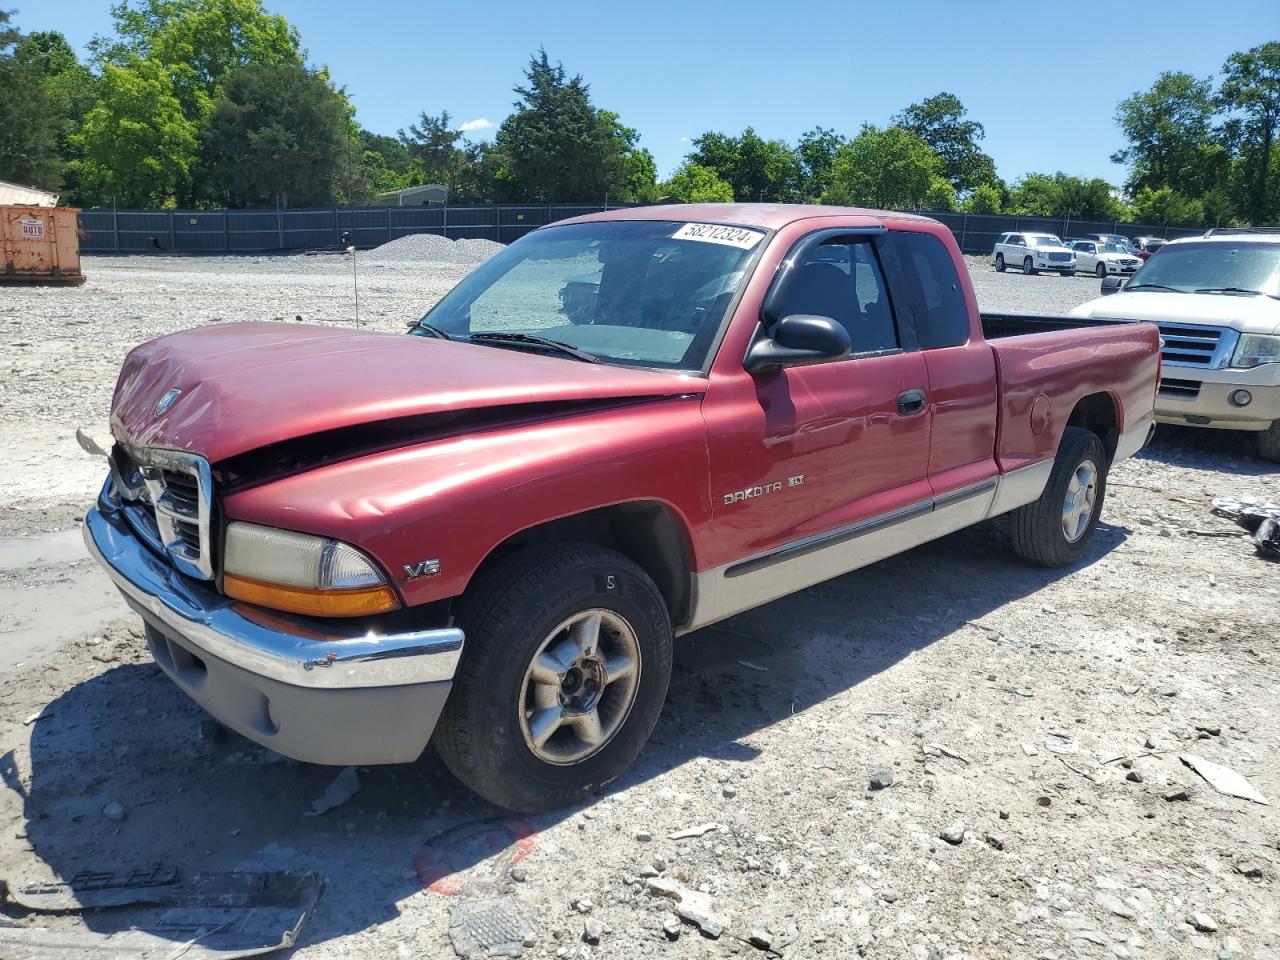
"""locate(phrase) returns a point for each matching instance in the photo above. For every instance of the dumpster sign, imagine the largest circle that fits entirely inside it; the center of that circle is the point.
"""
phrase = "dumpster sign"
(32, 229)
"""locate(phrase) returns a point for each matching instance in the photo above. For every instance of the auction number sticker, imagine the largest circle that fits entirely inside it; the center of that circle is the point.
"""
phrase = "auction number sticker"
(716, 233)
(32, 228)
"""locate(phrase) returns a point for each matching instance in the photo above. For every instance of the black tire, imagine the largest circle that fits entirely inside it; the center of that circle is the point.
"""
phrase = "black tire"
(1028, 266)
(999, 263)
(1067, 273)
(1269, 443)
(507, 614)
(1038, 528)
(1100, 271)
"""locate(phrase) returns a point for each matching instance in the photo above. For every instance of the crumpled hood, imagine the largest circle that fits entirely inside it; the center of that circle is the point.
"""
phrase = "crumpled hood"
(248, 385)
(1246, 314)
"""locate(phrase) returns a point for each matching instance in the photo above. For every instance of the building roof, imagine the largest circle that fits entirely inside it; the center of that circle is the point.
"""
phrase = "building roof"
(421, 188)
(17, 195)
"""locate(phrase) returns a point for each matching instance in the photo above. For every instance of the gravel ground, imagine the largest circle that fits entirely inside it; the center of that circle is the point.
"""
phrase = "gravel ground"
(953, 674)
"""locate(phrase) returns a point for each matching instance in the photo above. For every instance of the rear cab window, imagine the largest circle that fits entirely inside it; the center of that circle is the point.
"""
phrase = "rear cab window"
(940, 311)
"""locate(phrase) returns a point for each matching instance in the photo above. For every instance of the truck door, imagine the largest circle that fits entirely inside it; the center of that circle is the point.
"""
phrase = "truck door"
(960, 365)
(807, 452)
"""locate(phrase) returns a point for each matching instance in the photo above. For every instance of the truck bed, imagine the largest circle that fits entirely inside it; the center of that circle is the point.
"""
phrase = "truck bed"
(998, 325)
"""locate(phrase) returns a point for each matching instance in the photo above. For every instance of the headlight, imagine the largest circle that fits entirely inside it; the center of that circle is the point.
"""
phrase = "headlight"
(299, 573)
(1255, 349)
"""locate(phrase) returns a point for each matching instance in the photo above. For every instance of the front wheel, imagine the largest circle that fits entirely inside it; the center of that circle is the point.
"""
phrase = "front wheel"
(999, 263)
(564, 674)
(1101, 271)
(1269, 442)
(1028, 266)
(1056, 529)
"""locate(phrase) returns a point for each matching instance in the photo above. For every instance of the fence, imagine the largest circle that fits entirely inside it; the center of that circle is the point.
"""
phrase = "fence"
(245, 231)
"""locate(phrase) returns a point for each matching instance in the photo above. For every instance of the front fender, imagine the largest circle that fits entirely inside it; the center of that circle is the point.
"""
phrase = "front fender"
(454, 500)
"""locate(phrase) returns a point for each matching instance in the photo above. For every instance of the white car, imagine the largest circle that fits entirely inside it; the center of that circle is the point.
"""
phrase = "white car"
(1102, 258)
(1216, 300)
(1033, 252)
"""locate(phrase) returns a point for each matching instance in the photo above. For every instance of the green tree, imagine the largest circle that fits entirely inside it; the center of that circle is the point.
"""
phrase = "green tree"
(1250, 90)
(941, 121)
(694, 183)
(387, 162)
(1165, 206)
(940, 196)
(557, 145)
(30, 122)
(642, 176)
(1169, 130)
(200, 42)
(278, 134)
(138, 146)
(817, 150)
(69, 90)
(984, 199)
(890, 168)
(432, 143)
(1062, 195)
(756, 169)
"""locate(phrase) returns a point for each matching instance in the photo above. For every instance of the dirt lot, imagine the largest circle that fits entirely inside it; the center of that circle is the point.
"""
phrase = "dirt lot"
(954, 671)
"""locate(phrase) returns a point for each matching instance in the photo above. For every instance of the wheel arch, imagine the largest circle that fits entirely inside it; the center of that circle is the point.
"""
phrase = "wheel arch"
(651, 533)
(1099, 413)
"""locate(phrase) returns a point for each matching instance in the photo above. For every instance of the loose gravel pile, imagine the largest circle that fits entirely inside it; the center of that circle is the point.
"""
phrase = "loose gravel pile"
(430, 248)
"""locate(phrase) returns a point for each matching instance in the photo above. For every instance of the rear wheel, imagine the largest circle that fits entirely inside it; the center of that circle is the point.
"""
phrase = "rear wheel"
(1028, 265)
(563, 676)
(1056, 529)
(999, 263)
(1269, 442)
(1101, 270)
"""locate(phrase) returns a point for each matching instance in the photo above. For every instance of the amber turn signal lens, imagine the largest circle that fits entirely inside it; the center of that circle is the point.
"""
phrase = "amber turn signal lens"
(312, 603)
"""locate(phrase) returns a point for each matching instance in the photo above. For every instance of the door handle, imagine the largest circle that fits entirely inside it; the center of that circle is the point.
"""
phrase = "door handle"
(911, 401)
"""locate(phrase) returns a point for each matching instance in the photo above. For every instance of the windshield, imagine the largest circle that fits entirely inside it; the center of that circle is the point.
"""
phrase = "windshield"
(1113, 247)
(1213, 266)
(645, 293)
(1046, 242)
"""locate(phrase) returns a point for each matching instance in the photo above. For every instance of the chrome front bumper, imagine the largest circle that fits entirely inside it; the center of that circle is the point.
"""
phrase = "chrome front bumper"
(323, 691)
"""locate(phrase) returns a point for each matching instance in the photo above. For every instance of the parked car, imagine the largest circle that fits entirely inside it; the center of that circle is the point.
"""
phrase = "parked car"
(346, 543)
(1104, 258)
(1146, 246)
(1216, 300)
(1119, 238)
(1033, 252)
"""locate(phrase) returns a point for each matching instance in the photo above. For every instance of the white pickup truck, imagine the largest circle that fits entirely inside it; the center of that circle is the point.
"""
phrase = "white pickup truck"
(1216, 300)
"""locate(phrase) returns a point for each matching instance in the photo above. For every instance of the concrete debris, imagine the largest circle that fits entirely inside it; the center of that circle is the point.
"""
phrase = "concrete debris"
(692, 906)
(1223, 779)
(38, 715)
(1249, 869)
(953, 834)
(881, 778)
(1113, 904)
(937, 749)
(113, 810)
(1059, 741)
(995, 841)
(1202, 922)
(592, 930)
(1177, 794)
(691, 832)
(344, 786)
(1134, 776)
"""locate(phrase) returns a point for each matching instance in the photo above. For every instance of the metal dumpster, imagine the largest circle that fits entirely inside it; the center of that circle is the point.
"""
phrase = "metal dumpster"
(39, 245)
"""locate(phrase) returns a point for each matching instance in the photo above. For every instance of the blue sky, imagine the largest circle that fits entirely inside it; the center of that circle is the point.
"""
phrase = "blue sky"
(1045, 86)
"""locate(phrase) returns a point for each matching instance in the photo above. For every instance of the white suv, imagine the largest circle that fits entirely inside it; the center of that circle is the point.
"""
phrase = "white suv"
(1104, 257)
(1033, 252)
(1216, 300)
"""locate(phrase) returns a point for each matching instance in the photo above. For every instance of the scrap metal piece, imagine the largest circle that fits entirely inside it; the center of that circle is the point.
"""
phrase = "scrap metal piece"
(1266, 539)
(213, 917)
(90, 890)
(489, 927)
(1223, 779)
(1247, 512)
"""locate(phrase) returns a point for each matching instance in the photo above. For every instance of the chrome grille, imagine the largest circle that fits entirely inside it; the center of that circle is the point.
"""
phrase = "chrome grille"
(167, 497)
(1179, 389)
(1059, 256)
(1194, 346)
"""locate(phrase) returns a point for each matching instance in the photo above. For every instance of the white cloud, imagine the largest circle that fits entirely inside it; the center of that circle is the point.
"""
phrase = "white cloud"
(479, 123)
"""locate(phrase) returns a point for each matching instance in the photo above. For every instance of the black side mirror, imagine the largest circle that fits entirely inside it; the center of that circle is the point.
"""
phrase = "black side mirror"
(799, 339)
(1111, 285)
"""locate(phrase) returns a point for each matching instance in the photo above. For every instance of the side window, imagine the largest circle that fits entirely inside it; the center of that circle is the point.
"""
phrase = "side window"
(941, 314)
(1017, 240)
(1004, 238)
(843, 281)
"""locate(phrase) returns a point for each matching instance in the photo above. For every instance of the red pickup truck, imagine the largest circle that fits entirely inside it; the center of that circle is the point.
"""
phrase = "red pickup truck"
(619, 429)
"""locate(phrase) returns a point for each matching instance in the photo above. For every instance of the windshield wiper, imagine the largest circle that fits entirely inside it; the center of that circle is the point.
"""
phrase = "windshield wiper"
(546, 342)
(430, 329)
(1153, 286)
(1244, 290)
